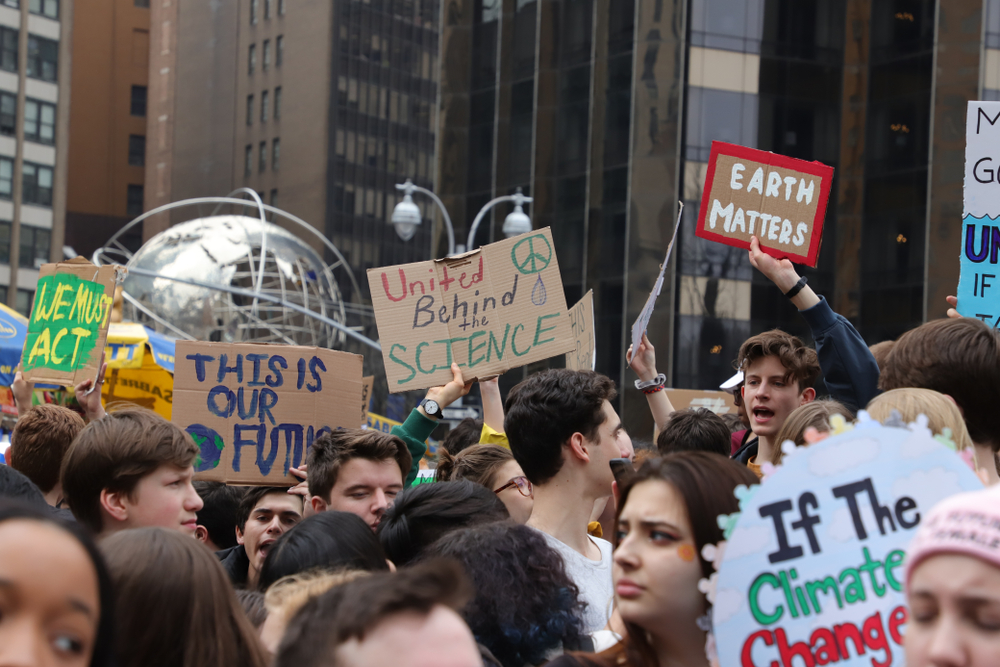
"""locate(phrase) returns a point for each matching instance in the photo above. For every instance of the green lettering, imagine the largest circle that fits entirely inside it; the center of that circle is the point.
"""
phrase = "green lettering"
(870, 567)
(855, 591)
(392, 355)
(473, 348)
(892, 561)
(513, 343)
(449, 342)
(416, 358)
(493, 345)
(539, 330)
(762, 617)
(787, 588)
(825, 585)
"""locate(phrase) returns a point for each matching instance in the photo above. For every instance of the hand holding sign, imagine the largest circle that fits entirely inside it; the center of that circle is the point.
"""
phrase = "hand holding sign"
(782, 273)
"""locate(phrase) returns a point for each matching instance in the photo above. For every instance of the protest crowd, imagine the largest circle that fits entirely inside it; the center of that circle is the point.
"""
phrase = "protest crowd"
(548, 537)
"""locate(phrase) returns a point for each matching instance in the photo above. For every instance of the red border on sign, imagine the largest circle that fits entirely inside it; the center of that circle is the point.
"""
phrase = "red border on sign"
(818, 169)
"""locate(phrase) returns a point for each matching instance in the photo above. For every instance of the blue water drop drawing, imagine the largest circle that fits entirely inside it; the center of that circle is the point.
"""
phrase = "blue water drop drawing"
(538, 294)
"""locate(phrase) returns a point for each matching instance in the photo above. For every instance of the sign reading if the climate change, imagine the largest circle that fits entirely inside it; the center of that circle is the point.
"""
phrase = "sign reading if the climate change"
(488, 310)
(813, 570)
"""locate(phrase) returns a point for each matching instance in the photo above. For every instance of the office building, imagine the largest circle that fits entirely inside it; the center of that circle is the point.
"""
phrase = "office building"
(107, 139)
(34, 121)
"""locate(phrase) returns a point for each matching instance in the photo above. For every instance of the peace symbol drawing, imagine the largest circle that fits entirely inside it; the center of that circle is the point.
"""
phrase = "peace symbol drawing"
(531, 255)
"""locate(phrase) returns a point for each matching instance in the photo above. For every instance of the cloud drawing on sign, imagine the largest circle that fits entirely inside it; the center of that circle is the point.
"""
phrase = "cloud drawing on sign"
(747, 541)
(728, 602)
(918, 445)
(836, 458)
(928, 487)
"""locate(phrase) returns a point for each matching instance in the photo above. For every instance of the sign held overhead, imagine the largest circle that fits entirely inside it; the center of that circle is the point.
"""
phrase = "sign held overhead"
(489, 310)
(780, 200)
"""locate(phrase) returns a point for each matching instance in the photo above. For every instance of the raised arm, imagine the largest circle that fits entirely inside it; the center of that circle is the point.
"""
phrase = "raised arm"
(643, 362)
(492, 403)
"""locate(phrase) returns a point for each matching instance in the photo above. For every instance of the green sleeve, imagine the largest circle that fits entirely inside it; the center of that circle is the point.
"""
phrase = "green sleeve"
(414, 431)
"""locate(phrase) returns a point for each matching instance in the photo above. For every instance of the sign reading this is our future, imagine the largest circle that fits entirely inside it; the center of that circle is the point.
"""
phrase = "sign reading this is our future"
(69, 322)
(978, 287)
(489, 310)
(254, 410)
(813, 570)
(581, 317)
(780, 200)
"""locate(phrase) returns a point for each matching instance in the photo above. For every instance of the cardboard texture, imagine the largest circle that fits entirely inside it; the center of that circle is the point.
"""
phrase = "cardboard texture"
(978, 287)
(254, 409)
(581, 318)
(780, 200)
(641, 322)
(719, 402)
(495, 308)
(367, 383)
(814, 562)
(69, 322)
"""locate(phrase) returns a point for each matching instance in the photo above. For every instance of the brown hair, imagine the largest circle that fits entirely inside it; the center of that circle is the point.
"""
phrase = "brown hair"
(175, 606)
(465, 434)
(958, 357)
(351, 610)
(288, 594)
(694, 429)
(706, 482)
(800, 362)
(881, 352)
(816, 415)
(911, 401)
(114, 453)
(331, 451)
(479, 464)
(40, 440)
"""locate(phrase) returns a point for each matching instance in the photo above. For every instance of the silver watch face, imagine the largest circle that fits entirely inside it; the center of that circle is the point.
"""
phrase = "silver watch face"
(432, 408)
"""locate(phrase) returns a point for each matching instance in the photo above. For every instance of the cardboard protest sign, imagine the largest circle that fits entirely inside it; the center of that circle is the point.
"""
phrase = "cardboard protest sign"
(69, 322)
(367, 383)
(489, 310)
(581, 317)
(641, 322)
(719, 402)
(978, 289)
(780, 200)
(254, 409)
(812, 570)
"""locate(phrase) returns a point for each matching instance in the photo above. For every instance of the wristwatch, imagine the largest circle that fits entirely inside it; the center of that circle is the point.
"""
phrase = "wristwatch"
(432, 408)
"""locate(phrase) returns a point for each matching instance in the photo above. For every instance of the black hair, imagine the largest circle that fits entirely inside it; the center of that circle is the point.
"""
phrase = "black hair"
(545, 410)
(250, 499)
(325, 541)
(464, 434)
(525, 604)
(17, 486)
(423, 513)
(220, 514)
(694, 430)
(104, 646)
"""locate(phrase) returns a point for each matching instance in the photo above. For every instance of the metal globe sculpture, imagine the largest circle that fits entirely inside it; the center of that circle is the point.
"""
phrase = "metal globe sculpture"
(196, 261)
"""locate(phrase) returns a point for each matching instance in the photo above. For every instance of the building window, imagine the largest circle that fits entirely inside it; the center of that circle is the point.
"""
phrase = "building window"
(35, 244)
(138, 102)
(40, 122)
(267, 9)
(48, 8)
(266, 62)
(262, 160)
(253, 12)
(249, 109)
(252, 59)
(276, 154)
(134, 199)
(137, 150)
(274, 198)
(15, 4)
(142, 3)
(263, 107)
(279, 50)
(248, 161)
(43, 58)
(277, 103)
(4, 251)
(6, 178)
(281, 7)
(8, 114)
(37, 184)
(8, 49)
(24, 299)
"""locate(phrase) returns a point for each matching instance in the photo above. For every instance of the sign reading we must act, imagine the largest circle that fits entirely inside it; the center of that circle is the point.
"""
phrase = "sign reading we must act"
(488, 310)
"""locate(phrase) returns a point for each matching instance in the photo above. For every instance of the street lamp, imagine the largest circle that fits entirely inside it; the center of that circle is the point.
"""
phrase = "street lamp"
(517, 221)
(406, 215)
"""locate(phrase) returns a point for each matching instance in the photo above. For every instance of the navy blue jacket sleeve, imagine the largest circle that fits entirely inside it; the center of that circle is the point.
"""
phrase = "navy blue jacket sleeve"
(849, 368)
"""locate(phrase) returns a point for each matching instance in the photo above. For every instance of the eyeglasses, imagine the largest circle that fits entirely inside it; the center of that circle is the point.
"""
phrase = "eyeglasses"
(522, 484)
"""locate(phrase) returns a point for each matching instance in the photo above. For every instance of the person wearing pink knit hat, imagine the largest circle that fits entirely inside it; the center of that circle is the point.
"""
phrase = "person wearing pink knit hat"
(953, 584)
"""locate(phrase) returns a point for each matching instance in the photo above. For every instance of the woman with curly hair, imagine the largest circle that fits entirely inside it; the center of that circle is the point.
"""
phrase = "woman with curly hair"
(526, 609)
(666, 514)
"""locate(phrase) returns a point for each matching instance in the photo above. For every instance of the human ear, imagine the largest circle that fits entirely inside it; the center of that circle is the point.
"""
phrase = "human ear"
(318, 504)
(115, 504)
(239, 535)
(201, 534)
(808, 396)
(578, 447)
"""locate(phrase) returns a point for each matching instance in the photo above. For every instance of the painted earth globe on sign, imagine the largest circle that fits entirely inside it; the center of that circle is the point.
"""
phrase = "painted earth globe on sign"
(225, 250)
